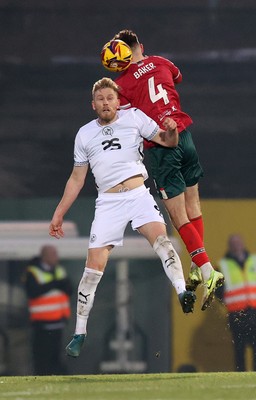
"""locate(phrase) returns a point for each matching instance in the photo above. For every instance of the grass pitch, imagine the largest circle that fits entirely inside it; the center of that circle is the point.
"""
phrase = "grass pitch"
(188, 386)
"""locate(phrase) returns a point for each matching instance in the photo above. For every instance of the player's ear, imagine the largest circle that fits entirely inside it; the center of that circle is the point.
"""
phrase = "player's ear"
(118, 104)
(93, 105)
(142, 48)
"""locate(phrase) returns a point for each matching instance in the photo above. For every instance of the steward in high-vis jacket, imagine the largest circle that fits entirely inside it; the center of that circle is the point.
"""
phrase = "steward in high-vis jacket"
(239, 295)
(48, 289)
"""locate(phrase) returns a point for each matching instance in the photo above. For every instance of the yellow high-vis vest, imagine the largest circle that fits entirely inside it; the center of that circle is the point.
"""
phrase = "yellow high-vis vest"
(53, 305)
(240, 283)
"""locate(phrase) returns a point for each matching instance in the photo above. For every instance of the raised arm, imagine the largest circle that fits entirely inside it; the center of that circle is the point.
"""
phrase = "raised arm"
(170, 137)
(72, 190)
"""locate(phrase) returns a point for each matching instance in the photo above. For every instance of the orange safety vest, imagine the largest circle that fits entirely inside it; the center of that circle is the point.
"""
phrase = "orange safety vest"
(53, 305)
(240, 284)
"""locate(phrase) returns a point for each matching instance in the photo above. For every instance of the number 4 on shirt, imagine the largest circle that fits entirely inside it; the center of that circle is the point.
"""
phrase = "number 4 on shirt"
(154, 96)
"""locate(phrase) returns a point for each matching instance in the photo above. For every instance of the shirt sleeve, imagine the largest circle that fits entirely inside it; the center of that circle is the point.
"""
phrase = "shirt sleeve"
(124, 102)
(148, 127)
(80, 156)
(177, 76)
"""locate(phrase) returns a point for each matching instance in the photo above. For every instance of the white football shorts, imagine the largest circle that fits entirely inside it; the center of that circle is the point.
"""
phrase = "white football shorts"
(114, 211)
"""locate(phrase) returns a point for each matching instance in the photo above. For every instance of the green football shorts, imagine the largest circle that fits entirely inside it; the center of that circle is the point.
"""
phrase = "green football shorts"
(174, 169)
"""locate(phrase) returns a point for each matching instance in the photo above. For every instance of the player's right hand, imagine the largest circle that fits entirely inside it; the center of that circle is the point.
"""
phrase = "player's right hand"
(55, 229)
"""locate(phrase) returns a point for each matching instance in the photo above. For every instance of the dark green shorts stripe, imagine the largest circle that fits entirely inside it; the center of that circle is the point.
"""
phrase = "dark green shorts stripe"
(174, 169)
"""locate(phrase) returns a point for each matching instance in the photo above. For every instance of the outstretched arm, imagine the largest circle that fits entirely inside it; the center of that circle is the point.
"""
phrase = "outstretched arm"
(72, 189)
(170, 137)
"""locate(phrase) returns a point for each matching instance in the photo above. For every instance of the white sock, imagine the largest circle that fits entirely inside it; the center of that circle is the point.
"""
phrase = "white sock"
(85, 297)
(171, 262)
(206, 270)
(193, 265)
(179, 285)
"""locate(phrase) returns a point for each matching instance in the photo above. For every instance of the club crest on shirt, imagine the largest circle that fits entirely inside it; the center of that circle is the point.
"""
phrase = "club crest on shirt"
(107, 131)
(93, 238)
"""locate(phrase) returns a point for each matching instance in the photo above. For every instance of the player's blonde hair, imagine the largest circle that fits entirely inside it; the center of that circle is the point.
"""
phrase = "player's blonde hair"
(105, 83)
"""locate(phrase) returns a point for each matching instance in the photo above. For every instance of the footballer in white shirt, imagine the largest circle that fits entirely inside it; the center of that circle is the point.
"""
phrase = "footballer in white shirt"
(112, 146)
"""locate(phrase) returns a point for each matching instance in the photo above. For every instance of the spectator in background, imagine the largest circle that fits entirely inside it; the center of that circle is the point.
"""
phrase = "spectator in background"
(239, 294)
(48, 289)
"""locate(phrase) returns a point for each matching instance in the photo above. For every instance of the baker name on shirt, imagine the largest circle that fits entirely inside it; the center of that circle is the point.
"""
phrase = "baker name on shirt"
(143, 70)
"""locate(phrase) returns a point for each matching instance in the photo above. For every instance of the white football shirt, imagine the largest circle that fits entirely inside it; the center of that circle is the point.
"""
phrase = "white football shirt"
(114, 151)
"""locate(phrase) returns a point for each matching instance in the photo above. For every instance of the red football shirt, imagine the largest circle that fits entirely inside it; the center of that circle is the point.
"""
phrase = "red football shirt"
(150, 86)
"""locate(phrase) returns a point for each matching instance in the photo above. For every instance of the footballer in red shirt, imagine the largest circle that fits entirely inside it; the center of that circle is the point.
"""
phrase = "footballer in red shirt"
(149, 84)
(156, 78)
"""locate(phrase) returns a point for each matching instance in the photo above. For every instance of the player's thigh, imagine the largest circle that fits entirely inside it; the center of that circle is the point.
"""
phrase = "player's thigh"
(166, 165)
(97, 258)
(143, 209)
(192, 201)
(191, 168)
(109, 222)
(176, 208)
(152, 230)
(146, 216)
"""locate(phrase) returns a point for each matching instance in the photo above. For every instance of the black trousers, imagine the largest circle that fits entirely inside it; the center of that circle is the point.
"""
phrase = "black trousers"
(243, 328)
(47, 350)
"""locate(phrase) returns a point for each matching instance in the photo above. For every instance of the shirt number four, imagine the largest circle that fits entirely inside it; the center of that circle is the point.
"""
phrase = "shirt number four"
(155, 96)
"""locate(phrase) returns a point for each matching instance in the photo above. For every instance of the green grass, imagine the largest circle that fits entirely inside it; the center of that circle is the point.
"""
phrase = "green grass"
(191, 386)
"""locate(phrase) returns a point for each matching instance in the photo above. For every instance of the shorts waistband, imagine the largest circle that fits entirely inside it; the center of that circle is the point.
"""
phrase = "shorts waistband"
(123, 195)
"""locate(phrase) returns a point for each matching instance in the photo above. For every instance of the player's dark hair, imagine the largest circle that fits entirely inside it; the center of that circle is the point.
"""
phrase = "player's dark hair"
(128, 36)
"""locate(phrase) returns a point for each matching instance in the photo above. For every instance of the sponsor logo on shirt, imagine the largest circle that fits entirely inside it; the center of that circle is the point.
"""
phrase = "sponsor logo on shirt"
(162, 116)
(166, 113)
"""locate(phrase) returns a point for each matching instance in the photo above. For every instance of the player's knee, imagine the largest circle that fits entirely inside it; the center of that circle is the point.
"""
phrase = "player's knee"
(177, 212)
(162, 241)
(96, 259)
(95, 265)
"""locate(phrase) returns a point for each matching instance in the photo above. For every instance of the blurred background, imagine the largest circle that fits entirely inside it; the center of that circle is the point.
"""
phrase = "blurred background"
(49, 60)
